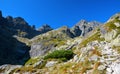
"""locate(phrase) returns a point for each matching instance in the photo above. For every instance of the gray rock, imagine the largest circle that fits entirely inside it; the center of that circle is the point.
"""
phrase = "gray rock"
(50, 63)
(8, 68)
(39, 49)
(93, 58)
(76, 58)
(77, 31)
(45, 28)
(109, 71)
(38, 63)
(101, 67)
(83, 27)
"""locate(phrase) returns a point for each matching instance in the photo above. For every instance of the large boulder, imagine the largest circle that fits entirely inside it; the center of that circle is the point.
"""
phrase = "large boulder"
(39, 49)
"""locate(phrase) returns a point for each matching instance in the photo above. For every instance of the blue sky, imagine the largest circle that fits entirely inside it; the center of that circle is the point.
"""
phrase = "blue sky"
(58, 13)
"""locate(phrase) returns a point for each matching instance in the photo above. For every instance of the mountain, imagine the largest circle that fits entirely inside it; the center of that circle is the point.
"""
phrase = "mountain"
(11, 31)
(21, 28)
(86, 48)
(83, 27)
(11, 50)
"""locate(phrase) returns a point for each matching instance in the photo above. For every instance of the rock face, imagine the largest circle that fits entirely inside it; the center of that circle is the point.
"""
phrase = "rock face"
(97, 53)
(20, 27)
(77, 31)
(11, 50)
(116, 16)
(45, 28)
(40, 49)
(9, 45)
(83, 27)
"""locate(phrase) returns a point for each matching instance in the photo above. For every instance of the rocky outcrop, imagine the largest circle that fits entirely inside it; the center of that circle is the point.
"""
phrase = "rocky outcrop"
(18, 26)
(45, 28)
(7, 69)
(10, 47)
(110, 35)
(77, 31)
(41, 48)
(83, 27)
(116, 16)
(50, 63)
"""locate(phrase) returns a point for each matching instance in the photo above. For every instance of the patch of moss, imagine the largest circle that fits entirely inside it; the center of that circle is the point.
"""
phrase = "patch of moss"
(60, 54)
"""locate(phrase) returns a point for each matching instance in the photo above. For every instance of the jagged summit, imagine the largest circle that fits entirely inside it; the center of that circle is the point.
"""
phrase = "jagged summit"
(83, 27)
(45, 28)
(95, 47)
(20, 20)
(9, 18)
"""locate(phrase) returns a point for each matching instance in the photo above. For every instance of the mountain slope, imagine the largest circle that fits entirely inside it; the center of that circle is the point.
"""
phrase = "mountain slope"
(98, 53)
(90, 48)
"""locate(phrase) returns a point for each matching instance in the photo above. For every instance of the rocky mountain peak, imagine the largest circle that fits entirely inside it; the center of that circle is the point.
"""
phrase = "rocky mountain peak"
(9, 18)
(83, 27)
(19, 20)
(82, 22)
(45, 28)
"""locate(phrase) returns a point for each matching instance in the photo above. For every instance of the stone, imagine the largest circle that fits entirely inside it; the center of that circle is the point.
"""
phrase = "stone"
(8, 68)
(101, 67)
(38, 63)
(50, 63)
(93, 58)
(116, 68)
(117, 24)
(76, 58)
(39, 49)
(109, 70)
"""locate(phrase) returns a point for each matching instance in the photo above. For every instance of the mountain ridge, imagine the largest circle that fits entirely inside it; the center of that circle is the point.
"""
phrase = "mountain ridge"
(94, 48)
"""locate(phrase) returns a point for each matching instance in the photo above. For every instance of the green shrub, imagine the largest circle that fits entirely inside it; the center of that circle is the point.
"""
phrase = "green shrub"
(60, 54)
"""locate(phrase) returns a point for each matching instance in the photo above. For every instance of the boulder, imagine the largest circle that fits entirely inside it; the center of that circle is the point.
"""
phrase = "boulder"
(39, 49)
(50, 63)
(117, 24)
